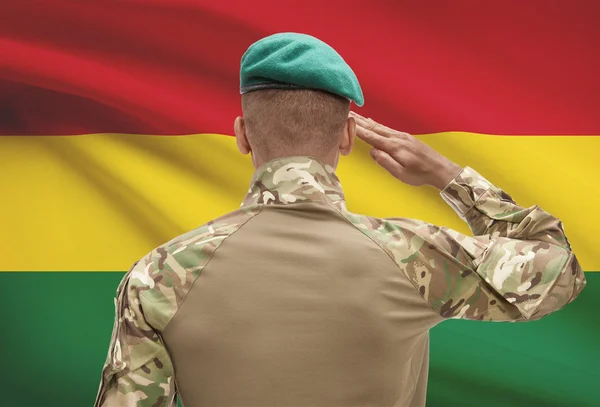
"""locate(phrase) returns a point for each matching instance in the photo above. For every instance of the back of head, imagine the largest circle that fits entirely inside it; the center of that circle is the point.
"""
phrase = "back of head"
(296, 94)
(289, 122)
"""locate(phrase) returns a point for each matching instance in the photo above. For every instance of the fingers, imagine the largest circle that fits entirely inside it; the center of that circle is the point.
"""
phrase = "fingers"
(372, 133)
(376, 140)
(387, 162)
(372, 125)
(378, 128)
(363, 121)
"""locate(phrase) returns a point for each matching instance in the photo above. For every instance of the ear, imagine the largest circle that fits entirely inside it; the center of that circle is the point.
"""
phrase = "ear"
(239, 126)
(348, 136)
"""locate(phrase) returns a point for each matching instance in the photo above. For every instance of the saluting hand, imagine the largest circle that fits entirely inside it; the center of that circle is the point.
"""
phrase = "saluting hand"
(404, 156)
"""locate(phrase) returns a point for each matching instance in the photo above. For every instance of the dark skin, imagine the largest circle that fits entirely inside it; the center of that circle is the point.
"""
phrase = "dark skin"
(346, 142)
(402, 155)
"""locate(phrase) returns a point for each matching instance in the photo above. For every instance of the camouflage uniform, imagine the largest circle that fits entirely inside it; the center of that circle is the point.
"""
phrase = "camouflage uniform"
(309, 304)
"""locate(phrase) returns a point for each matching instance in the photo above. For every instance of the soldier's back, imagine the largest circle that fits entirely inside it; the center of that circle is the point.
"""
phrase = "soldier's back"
(299, 307)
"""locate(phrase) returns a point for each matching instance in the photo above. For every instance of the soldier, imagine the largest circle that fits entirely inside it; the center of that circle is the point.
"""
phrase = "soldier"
(292, 300)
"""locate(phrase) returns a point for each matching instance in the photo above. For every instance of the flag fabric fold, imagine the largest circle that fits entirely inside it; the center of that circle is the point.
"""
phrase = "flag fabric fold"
(116, 120)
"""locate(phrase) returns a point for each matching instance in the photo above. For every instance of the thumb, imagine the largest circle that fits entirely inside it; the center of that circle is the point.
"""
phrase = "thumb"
(387, 162)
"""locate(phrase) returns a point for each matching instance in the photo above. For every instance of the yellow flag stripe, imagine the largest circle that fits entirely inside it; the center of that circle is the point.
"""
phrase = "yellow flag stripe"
(100, 202)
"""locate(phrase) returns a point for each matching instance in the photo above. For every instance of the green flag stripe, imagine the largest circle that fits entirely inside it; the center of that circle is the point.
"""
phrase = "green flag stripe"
(56, 328)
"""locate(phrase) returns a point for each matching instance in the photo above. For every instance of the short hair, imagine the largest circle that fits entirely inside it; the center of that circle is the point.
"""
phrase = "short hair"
(288, 122)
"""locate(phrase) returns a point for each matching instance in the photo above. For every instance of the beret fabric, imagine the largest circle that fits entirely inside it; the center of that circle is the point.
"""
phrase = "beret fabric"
(297, 61)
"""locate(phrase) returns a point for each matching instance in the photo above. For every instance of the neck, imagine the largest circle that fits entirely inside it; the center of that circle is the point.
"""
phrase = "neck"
(331, 158)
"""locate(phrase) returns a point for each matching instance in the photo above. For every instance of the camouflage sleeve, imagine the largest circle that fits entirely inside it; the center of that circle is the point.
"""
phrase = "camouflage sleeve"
(138, 370)
(488, 210)
(519, 266)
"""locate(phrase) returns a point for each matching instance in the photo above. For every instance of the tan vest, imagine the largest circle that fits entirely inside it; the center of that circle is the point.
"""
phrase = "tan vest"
(300, 308)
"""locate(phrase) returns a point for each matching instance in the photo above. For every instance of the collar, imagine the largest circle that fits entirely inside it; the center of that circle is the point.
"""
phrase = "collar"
(294, 179)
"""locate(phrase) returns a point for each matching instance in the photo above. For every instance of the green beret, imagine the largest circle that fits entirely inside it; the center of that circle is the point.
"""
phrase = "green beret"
(297, 61)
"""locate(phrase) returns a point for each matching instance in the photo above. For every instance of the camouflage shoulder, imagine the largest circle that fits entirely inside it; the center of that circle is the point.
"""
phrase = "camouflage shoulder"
(424, 253)
(414, 234)
(166, 274)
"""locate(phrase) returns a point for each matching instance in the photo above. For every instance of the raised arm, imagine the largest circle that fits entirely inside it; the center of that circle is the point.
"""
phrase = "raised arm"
(519, 266)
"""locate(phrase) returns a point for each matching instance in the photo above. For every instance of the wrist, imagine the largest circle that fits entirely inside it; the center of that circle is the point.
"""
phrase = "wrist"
(445, 175)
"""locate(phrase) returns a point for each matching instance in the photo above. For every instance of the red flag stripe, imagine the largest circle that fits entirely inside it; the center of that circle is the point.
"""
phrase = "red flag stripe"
(171, 66)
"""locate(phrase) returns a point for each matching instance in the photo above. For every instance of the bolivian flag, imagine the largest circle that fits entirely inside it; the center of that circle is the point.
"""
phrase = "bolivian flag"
(117, 116)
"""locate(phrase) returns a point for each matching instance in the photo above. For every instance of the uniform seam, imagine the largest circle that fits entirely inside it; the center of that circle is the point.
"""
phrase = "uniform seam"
(563, 269)
(391, 258)
(413, 366)
(180, 303)
(307, 201)
(475, 202)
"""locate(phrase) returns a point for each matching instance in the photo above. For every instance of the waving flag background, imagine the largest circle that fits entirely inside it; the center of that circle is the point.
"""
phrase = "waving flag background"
(116, 115)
